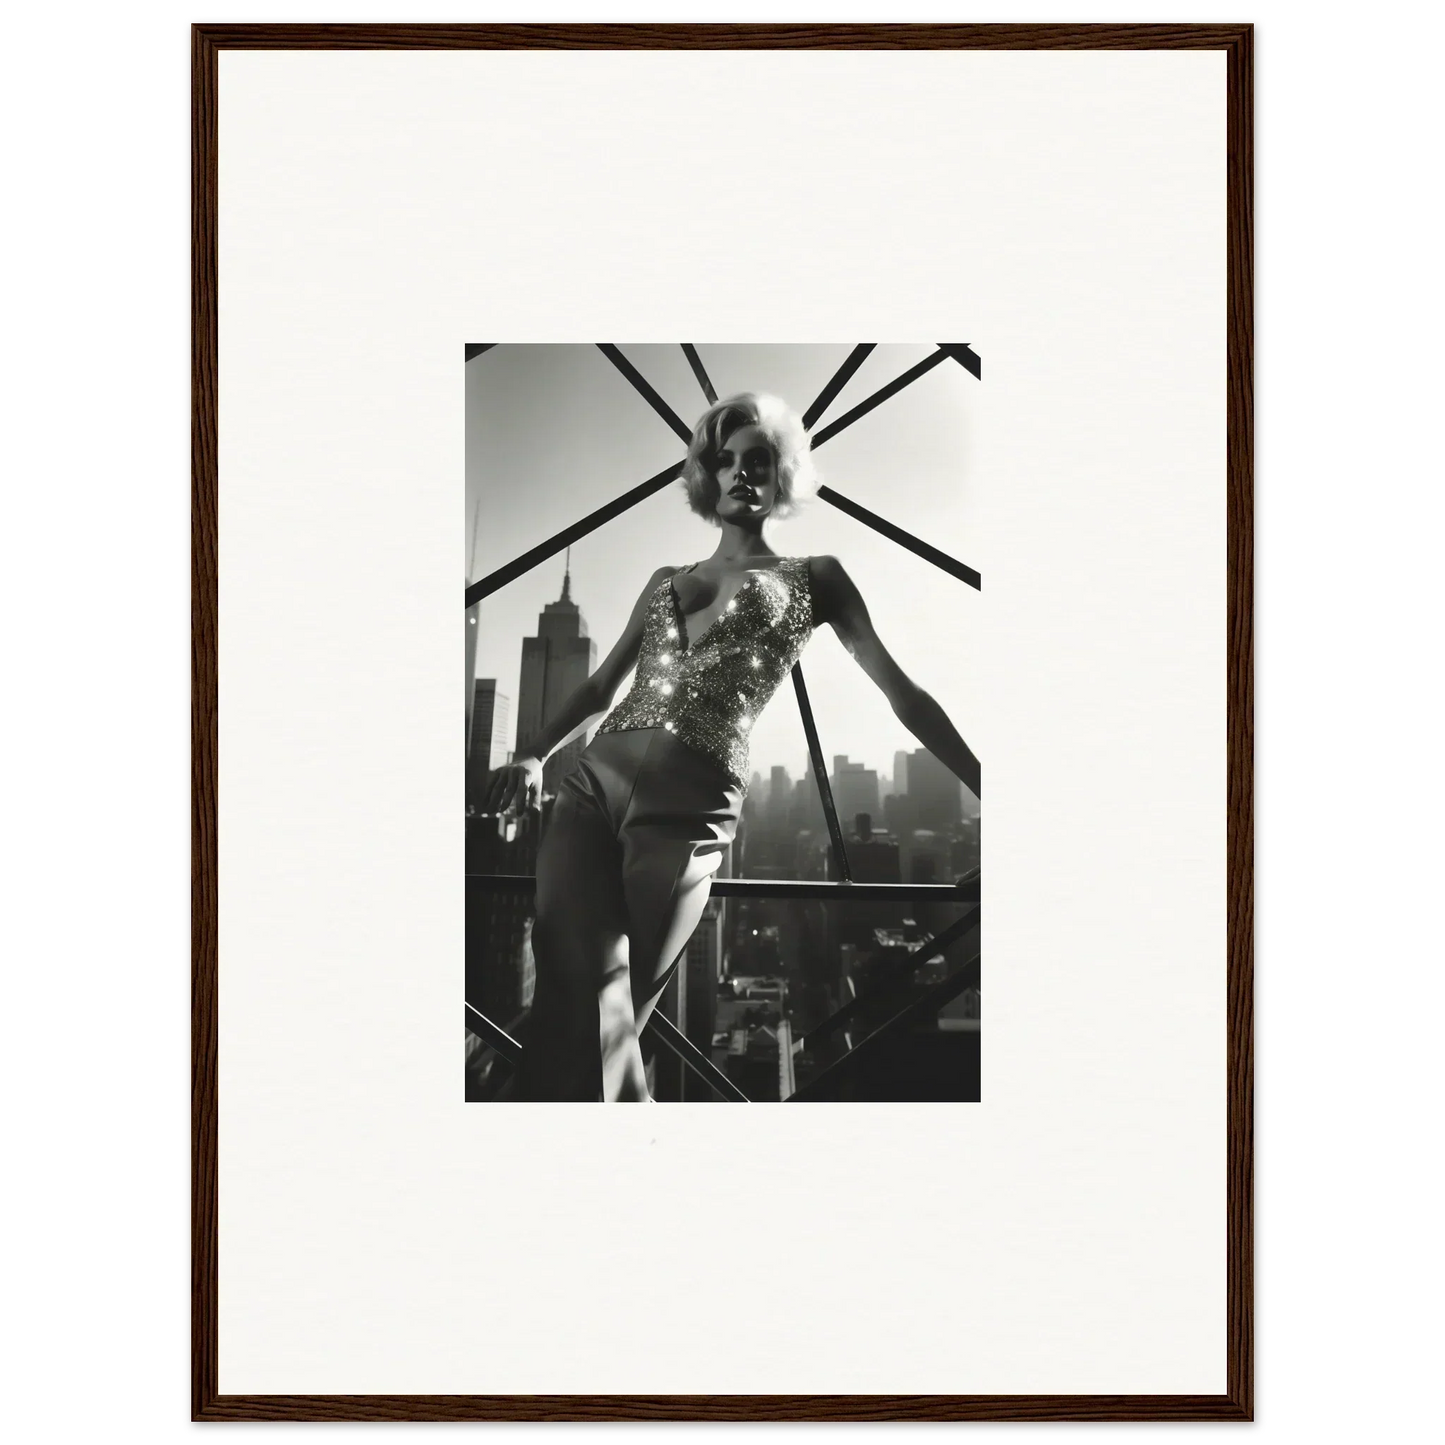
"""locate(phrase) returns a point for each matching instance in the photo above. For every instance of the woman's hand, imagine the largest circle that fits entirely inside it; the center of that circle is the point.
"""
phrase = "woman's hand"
(515, 787)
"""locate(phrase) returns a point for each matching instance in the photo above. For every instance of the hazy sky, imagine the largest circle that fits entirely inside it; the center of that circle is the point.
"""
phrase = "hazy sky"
(554, 431)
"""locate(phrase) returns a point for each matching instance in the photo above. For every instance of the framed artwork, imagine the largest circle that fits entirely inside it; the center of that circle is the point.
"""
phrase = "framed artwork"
(751, 609)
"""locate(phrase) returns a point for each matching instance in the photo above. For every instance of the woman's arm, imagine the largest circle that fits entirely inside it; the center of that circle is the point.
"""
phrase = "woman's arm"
(838, 602)
(519, 782)
(594, 694)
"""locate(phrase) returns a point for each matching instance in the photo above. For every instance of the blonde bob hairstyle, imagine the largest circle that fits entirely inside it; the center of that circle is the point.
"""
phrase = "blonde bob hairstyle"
(786, 434)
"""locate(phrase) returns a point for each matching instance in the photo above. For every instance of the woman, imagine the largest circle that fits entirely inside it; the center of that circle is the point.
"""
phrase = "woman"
(639, 827)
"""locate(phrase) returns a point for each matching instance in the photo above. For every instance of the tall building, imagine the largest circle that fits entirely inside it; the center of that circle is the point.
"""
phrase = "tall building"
(690, 999)
(473, 622)
(855, 790)
(805, 809)
(900, 773)
(699, 972)
(758, 1056)
(469, 657)
(487, 743)
(964, 855)
(780, 797)
(554, 662)
(898, 814)
(935, 794)
(500, 973)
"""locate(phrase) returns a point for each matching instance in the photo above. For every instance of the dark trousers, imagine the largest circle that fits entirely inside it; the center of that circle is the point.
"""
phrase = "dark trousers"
(638, 830)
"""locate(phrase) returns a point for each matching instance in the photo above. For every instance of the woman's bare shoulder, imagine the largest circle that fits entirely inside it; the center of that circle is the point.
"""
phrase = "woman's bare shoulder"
(832, 588)
(826, 569)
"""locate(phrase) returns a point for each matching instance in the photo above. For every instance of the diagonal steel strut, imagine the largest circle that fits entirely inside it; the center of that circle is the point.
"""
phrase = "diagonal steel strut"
(540, 553)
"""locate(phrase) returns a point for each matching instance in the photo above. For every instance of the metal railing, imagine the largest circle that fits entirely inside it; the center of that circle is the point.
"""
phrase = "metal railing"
(925, 1005)
(663, 1032)
(659, 1027)
(964, 891)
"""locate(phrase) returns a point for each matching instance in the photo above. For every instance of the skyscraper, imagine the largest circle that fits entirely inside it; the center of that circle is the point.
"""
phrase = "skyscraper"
(469, 656)
(473, 625)
(700, 969)
(554, 662)
(690, 999)
(499, 969)
(935, 794)
(780, 798)
(900, 773)
(486, 747)
(855, 789)
(805, 812)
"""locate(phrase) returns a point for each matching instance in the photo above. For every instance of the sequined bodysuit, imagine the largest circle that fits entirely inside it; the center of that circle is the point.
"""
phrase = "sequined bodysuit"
(709, 694)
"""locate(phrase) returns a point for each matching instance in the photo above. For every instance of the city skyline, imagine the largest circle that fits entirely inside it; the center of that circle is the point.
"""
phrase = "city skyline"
(554, 431)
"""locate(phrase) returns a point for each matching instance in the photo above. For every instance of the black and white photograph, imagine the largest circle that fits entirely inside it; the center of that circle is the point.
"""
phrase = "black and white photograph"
(722, 811)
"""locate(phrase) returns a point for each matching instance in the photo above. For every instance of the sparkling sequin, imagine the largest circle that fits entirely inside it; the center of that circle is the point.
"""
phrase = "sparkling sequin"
(731, 671)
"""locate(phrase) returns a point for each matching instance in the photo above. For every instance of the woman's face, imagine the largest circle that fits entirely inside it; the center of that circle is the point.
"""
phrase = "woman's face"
(747, 476)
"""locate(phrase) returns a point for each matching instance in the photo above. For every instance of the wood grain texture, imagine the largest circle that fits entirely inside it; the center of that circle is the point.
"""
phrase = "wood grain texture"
(1239, 683)
(722, 36)
(1238, 1401)
(204, 1261)
(722, 1407)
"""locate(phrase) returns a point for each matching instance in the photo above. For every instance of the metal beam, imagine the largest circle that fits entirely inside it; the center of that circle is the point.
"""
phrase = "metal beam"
(964, 892)
(645, 391)
(494, 1034)
(916, 545)
(514, 569)
(878, 398)
(839, 380)
(820, 772)
(964, 355)
(540, 553)
(925, 1004)
(941, 941)
(695, 361)
(849, 892)
(667, 1033)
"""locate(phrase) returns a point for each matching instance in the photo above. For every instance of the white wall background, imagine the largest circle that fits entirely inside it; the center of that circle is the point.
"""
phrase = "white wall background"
(1067, 214)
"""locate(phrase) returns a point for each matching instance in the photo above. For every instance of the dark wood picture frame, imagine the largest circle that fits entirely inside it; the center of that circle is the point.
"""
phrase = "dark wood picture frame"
(1237, 1403)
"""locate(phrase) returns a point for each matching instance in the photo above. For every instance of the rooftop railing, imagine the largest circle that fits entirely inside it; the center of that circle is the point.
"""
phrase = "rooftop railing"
(908, 1011)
